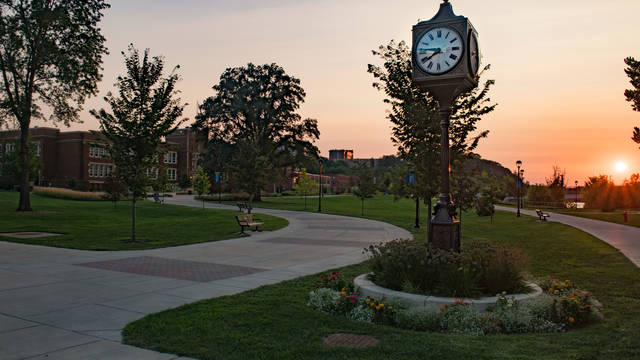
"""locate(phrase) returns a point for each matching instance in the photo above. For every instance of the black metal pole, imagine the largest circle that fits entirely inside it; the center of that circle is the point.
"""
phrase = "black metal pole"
(320, 189)
(518, 187)
(417, 224)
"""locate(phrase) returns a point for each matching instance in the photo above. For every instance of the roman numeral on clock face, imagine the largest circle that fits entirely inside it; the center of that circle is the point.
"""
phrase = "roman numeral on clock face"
(439, 33)
(431, 65)
(438, 67)
(453, 57)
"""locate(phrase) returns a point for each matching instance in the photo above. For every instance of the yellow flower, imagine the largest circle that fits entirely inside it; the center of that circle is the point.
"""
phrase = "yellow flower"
(372, 305)
(550, 289)
(367, 300)
(571, 319)
(556, 292)
(390, 307)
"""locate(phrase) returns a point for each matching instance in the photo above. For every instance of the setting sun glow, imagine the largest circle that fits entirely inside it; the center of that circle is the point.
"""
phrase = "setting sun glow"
(621, 166)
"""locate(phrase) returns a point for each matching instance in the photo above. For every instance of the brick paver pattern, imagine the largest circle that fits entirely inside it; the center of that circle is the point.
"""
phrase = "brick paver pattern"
(175, 269)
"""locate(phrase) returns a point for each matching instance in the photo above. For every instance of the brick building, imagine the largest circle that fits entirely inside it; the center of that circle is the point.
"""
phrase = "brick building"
(76, 159)
(340, 154)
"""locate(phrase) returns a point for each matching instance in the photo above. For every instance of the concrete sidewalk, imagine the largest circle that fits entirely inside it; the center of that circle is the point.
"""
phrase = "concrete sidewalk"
(72, 304)
(622, 237)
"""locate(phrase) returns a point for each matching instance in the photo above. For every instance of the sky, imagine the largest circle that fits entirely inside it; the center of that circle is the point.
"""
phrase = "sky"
(558, 67)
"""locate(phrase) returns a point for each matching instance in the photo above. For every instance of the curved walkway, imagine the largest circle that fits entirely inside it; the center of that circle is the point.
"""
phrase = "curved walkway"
(622, 237)
(72, 304)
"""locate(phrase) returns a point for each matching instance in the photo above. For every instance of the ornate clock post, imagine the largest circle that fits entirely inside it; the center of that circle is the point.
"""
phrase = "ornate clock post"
(445, 62)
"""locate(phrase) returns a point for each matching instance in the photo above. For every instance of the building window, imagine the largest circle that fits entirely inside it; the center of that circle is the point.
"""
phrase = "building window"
(152, 173)
(9, 148)
(98, 152)
(37, 146)
(172, 174)
(100, 170)
(171, 157)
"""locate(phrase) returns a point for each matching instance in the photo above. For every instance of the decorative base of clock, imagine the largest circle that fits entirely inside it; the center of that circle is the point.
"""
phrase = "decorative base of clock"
(444, 232)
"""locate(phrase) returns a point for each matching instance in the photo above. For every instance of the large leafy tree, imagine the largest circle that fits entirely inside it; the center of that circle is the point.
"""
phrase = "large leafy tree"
(416, 123)
(50, 61)
(253, 125)
(145, 110)
(633, 95)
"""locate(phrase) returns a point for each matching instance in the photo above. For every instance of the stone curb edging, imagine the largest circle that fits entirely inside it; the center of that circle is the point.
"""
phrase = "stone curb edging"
(368, 288)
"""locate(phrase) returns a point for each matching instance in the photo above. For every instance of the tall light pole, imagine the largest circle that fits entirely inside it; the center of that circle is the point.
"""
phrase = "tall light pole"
(320, 189)
(518, 163)
(521, 186)
(576, 195)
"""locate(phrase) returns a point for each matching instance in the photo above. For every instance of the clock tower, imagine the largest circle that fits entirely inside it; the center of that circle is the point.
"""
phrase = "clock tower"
(445, 61)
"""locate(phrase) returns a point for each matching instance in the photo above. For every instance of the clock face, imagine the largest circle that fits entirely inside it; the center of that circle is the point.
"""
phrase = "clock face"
(439, 50)
(474, 54)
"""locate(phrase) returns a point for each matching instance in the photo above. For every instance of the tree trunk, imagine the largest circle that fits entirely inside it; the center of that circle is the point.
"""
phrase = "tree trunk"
(25, 198)
(428, 213)
(257, 196)
(133, 218)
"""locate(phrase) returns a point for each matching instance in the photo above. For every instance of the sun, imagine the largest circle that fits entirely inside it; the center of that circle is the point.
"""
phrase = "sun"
(621, 166)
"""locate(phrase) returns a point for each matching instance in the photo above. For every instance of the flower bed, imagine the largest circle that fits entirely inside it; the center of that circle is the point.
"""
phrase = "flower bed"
(559, 307)
(368, 288)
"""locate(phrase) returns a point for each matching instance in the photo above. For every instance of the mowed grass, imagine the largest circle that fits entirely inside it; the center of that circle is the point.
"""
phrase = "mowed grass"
(633, 217)
(98, 225)
(273, 322)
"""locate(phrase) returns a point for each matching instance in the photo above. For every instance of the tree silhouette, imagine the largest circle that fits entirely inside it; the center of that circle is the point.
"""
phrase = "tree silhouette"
(50, 60)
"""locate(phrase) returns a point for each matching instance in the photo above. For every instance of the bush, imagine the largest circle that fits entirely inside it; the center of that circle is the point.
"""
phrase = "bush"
(68, 194)
(427, 319)
(481, 268)
(324, 300)
(571, 305)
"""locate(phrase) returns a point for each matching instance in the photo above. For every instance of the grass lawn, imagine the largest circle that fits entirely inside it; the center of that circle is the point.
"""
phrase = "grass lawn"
(97, 225)
(273, 322)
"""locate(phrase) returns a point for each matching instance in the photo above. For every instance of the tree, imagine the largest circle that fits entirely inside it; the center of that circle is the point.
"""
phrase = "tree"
(50, 59)
(416, 123)
(113, 188)
(633, 95)
(201, 183)
(304, 185)
(145, 110)
(366, 188)
(464, 188)
(599, 192)
(556, 185)
(253, 114)
(490, 195)
(537, 194)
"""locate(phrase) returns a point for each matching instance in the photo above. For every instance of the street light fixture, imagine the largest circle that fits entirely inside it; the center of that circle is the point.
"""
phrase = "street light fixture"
(576, 195)
(320, 189)
(518, 163)
(521, 187)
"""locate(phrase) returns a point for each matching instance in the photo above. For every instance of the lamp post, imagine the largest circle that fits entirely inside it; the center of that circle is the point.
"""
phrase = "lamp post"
(518, 163)
(576, 195)
(320, 189)
(521, 185)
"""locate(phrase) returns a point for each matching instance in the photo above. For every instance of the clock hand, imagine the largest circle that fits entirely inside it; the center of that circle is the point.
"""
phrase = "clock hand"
(432, 55)
(432, 49)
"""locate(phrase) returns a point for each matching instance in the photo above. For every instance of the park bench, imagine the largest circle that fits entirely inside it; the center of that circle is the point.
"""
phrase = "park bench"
(156, 198)
(247, 221)
(243, 205)
(542, 215)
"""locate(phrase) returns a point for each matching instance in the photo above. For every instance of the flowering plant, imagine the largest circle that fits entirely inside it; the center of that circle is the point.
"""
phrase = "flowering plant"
(384, 312)
(571, 305)
(335, 281)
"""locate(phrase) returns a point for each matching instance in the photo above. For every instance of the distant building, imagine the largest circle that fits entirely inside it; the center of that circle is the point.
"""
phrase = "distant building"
(340, 154)
(76, 159)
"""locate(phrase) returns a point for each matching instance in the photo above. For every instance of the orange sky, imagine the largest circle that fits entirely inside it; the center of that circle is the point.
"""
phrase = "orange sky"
(558, 67)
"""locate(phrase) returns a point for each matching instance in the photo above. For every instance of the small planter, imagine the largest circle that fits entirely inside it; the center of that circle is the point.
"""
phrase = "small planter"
(368, 288)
